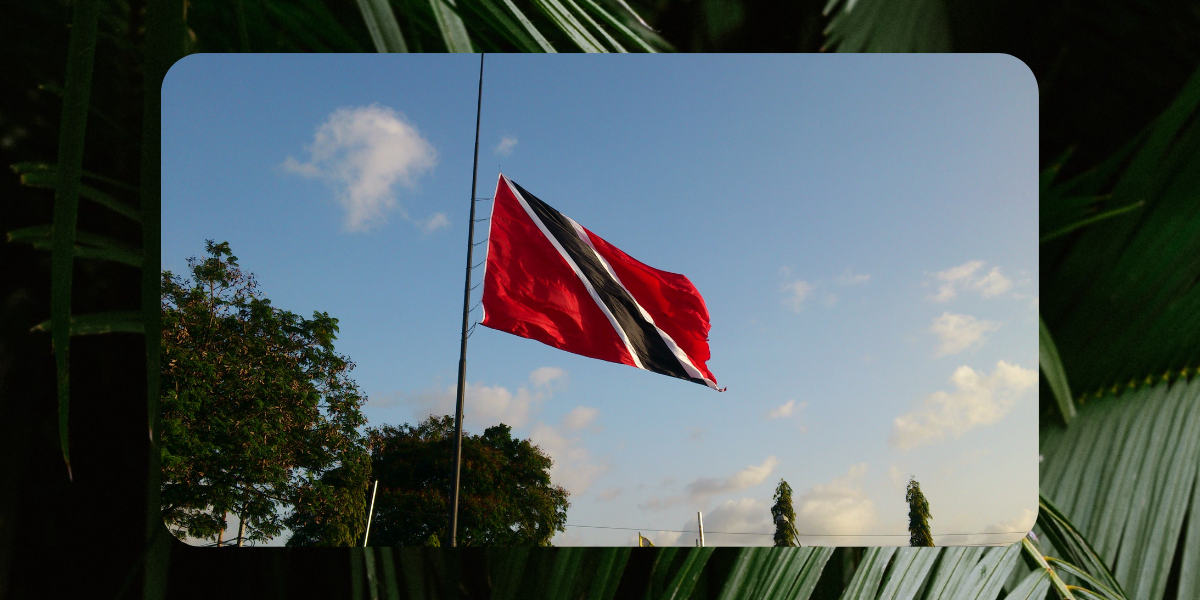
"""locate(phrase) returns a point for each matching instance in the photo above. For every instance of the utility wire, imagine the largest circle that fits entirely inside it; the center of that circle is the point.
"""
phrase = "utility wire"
(799, 534)
(413, 512)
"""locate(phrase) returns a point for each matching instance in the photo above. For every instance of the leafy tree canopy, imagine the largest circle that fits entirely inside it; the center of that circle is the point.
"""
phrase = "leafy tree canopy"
(918, 515)
(259, 413)
(506, 497)
(784, 516)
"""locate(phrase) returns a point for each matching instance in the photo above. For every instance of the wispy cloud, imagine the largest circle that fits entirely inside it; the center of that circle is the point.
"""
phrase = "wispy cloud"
(785, 410)
(1001, 531)
(959, 332)
(548, 377)
(967, 276)
(506, 145)
(362, 153)
(850, 278)
(579, 417)
(574, 466)
(795, 290)
(489, 404)
(789, 409)
(701, 489)
(977, 400)
(743, 516)
(747, 477)
(435, 222)
(839, 507)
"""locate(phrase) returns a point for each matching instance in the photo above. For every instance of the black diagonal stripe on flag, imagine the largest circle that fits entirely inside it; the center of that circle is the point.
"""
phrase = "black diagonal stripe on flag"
(652, 351)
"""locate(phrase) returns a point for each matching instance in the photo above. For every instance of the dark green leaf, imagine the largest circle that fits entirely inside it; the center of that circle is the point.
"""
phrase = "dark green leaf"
(48, 178)
(865, 583)
(381, 22)
(1124, 475)
(883, 26)
(1071, 543)
(72, 129)
(102, 322)
(681, 586)
(450, 24)
(1055, 375)
(1121, 294)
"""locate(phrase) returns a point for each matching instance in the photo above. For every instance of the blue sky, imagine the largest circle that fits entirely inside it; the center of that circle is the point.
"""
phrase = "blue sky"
(862, 229)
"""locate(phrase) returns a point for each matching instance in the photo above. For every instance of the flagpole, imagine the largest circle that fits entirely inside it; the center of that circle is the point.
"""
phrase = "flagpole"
(370, 513)
(462, 355)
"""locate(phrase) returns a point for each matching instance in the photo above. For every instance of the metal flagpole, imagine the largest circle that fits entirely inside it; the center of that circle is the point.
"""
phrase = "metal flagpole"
(462, 355)
(370, 513)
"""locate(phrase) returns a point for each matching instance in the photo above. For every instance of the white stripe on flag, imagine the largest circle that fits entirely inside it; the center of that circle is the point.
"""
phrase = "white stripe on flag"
(680, 355)
(592, 291)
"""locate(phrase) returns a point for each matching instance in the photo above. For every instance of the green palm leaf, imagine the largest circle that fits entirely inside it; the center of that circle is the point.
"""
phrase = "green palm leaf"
(1121, 296)
(887, 26)
(1124, 307)
(1124, 474)
(381, 22)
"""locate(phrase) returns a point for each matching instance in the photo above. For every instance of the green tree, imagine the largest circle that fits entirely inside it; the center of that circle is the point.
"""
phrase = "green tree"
(918, 515)
(784, 516)
(506, 497)
(259, 413)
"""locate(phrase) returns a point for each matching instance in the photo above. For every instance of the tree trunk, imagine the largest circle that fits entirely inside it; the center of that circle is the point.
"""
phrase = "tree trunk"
(241, 530)
(221, 533)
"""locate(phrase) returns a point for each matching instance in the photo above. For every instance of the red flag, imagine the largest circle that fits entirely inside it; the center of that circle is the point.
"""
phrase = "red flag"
(549, 279)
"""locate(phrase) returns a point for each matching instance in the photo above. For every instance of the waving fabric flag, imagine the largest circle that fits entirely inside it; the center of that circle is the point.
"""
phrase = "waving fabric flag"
(549, 279)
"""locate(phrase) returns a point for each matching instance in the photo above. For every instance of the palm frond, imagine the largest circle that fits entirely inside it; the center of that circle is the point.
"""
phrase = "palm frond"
(1124, 474)
(887, 26)
(1122, 298)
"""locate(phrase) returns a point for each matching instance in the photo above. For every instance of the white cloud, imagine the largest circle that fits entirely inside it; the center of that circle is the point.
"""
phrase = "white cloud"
(954, 278)
(795, 292)
(747, 477)
(789, 409)
(362, 153)
(966, 277)
(782, 411)
(745, 515)
(506, 145)
(1021, 523)
(437, 221)
(486, 405)
(839, 507)
(851, 278)
(977, 400)
(992, 284)
(959, 332)
(579, 417)
(545, 376)
(574, 467)
(665, 538)
(701, 489)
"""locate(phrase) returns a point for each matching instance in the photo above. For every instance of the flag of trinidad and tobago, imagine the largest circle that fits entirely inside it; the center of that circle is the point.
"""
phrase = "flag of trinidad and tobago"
(549, 279)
